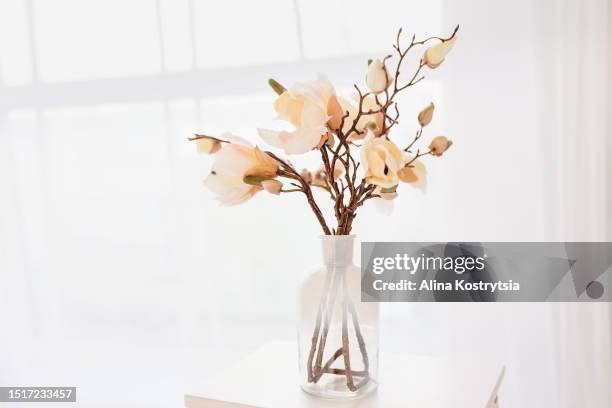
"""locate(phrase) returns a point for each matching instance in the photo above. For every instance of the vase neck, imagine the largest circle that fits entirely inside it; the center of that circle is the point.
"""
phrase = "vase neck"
(337, 249)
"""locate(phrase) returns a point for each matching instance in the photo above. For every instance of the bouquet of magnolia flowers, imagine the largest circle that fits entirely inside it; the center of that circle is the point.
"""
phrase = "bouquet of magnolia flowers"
(336, 127)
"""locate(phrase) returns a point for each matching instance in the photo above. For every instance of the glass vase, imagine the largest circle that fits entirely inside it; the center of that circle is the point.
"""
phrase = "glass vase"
(337, 333)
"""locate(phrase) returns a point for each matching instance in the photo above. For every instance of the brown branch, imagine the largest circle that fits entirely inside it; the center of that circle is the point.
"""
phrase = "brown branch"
(288, 171)
(328, 315)
(198, 137)
(416, 138)
(345, 345)
(317, 329)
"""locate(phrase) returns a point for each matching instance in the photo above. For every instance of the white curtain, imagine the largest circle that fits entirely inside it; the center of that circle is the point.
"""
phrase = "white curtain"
(542, 74)
(116, 265)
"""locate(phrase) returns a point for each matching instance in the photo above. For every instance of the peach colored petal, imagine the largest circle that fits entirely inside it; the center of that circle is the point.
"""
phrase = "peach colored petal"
(234, 159)
(416, 176)
(334, 112)
(297, 142)
(312, 116)
(289, 108)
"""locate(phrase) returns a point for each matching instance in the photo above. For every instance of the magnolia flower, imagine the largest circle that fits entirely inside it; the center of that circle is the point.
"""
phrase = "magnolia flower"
(372, 122)
(415, 174)
(207, 144)
(377, 77)
(426, 115)
(434, 56)
(439, 145)
(310, 107)
(381, 160)
(236, 163)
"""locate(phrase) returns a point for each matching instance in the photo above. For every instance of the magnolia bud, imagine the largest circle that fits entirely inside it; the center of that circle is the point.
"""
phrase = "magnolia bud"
(338, 170)
(434, 56)
(372, 126)
(272, 186)
(306, 176)
(426, 115)
(207, 145)
(377, 77)
(278, 88)
(319, 178)
(439, 145)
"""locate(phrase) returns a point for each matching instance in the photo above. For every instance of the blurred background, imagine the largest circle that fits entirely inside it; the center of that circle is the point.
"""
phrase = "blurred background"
(119, 273)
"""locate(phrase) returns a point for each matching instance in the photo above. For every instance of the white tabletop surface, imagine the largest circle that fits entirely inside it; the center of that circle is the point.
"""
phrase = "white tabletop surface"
(268, 378)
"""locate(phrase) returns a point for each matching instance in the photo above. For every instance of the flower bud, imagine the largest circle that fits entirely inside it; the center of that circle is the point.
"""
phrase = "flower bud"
(377, 77)
(372, 126)
(272, 186)
(319, 178)
(207, 145)
(338, 170)
(439, 145)
(434, 56)
(276, 87)
(426, 115)
(306, 176)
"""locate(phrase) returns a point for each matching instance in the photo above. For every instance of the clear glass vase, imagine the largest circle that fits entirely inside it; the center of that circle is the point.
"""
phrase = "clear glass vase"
(337, 333)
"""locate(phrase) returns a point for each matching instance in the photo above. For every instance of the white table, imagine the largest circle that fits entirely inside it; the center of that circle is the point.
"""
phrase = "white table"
(268, 378)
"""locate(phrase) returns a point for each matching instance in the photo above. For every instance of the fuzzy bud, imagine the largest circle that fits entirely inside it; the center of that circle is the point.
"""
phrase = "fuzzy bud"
(272, 186)
(426, 115)
(377, 77)
(439, 145)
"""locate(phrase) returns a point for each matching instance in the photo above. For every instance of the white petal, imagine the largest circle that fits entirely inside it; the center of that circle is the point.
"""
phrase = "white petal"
(297, 142)
(271, 137)
(303, 140)
(229, 190)
(234, 160)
